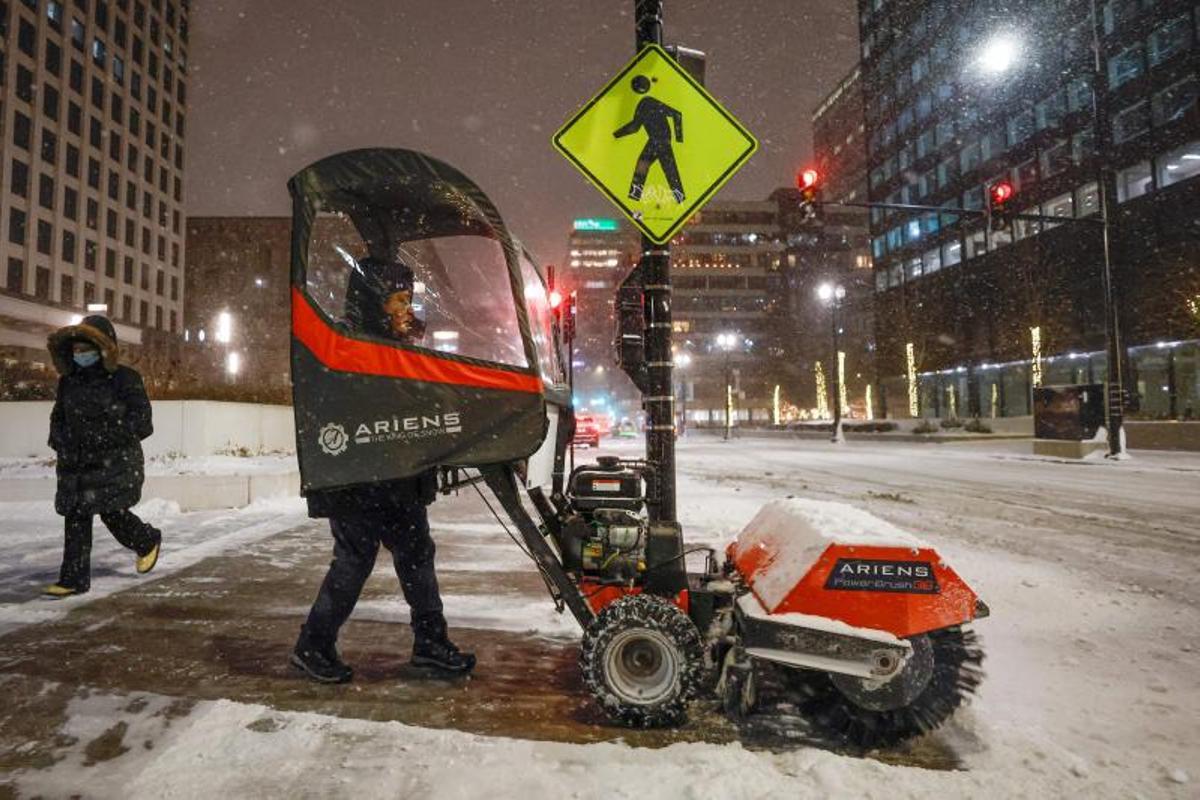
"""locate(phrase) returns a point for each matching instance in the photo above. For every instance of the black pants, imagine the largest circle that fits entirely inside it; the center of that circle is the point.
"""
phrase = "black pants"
(125, 526)
(356, 541)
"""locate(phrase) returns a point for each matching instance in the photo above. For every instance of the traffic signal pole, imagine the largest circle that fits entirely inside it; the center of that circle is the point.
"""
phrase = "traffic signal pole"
(659, 400)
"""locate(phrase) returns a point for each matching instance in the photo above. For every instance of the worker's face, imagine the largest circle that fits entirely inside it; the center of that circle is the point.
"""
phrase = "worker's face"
(82, 347)
(398, 307)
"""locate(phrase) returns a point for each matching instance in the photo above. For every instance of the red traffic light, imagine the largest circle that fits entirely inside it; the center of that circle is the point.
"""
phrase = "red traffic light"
(808, 178)
(1001, 193)
(556, 299)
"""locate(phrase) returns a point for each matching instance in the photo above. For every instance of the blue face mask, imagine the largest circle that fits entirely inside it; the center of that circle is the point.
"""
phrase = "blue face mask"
(86, 358)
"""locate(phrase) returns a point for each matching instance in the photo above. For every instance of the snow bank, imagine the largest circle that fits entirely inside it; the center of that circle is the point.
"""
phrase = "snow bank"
(793, 533)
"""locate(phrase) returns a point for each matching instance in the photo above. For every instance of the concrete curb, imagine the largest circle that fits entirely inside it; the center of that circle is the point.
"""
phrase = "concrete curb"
(191, 492)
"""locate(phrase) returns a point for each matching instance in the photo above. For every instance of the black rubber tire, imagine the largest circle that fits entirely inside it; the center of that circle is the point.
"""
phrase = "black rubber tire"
(657, 626)
(957, 672)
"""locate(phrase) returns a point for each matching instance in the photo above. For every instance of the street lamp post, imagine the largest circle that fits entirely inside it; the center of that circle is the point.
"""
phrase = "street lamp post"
(727, 341)
(833, 295)
(682, 362)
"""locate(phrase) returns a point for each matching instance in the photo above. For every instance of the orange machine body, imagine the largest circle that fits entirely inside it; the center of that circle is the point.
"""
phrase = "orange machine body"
(904, 591)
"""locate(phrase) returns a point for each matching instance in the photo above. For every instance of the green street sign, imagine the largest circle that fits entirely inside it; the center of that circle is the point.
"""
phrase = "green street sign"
(655, 143)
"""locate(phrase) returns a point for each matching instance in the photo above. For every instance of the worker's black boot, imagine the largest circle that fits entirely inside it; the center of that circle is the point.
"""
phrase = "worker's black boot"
(441, 654)
(321, 663)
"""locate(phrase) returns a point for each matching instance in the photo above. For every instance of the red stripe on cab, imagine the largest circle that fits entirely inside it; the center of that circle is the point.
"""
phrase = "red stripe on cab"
(345, 354)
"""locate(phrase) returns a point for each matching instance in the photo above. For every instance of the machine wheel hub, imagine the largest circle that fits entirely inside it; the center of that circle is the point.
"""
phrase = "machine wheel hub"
(897, 691)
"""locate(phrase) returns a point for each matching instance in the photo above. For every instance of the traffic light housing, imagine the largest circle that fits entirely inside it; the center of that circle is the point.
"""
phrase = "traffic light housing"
(1000, 205)
(808, 181)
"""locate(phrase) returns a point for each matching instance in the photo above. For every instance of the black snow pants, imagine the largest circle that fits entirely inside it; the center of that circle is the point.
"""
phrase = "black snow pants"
(126, 528)
(356, 540)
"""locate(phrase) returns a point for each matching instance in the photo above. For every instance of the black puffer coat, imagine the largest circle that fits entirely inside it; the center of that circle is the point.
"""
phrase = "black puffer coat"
(101, 414)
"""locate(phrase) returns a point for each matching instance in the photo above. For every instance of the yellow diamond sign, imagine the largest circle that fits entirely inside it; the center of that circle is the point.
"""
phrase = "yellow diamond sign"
(655, 143)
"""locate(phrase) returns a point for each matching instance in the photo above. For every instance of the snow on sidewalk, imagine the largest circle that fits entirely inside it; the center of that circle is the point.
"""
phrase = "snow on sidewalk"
(232, 749)
(31, 537)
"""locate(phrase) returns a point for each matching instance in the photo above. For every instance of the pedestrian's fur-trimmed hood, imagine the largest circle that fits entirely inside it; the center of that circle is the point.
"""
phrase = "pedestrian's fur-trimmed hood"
(95, 329)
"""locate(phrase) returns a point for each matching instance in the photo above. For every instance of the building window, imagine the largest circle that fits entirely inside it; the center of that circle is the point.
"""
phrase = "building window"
(951, 254)
(1173, 36)
(27, 38)
(1056, 158)
(22, 130)
(127, 308)
(68, 247)
(99, 53)
(1131, 122)
(18, 179)
(110, 223)
(24, 84)
(1179, 164)
(70, 203)
(110, 263)
(72, 160)
(54, 13)
(1061, 206)
(53, 59)
(1173, 103)
(93, 176)
(1134, 181)
(1051, 110)
(1087, 200)
(49, 147)
(77, 34)
(50, 102)
(976, 243)
(16, 226)
(93, 214)
(66, 290)
(76, 79)
(42, 283)
(15, 281)
(1020, 127)
(45, 237)
(1125, 66)
(127, 272)
(931, 261)
(1083, 146)
(74, 118)
(46, 191)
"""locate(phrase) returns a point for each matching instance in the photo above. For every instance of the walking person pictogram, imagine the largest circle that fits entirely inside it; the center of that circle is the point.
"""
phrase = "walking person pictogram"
(656, 117)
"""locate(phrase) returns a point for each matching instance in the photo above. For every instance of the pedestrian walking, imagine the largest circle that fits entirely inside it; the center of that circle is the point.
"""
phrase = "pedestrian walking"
(101, 415)
(379, 303)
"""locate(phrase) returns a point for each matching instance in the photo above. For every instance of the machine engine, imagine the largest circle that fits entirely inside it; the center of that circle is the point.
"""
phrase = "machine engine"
(605, 535)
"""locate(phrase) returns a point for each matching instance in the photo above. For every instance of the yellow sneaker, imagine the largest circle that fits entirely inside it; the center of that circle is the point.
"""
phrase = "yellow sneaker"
(57, 590)
(146, 563)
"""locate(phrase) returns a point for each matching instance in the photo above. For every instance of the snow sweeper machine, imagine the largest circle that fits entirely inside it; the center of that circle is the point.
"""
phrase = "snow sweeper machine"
(866, 624)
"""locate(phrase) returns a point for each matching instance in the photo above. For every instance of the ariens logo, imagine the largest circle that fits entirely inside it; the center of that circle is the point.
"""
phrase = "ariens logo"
(333, 439)
(406, 428)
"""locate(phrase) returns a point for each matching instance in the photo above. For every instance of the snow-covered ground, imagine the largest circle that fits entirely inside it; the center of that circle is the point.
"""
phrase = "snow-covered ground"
(1093, 646)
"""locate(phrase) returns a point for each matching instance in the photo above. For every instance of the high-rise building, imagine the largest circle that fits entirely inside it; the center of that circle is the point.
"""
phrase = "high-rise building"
(93, 97)
(961, 96)
(600, 253)
(729, 310)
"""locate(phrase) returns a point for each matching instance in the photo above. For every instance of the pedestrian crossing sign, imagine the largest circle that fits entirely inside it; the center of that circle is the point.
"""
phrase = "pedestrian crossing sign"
(655, 143)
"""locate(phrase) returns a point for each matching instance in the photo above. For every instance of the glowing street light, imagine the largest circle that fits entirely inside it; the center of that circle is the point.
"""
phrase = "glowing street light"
(999, 54)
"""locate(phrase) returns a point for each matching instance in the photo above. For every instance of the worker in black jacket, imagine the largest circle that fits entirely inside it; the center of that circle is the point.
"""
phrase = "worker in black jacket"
(101, 415)
(379, 300)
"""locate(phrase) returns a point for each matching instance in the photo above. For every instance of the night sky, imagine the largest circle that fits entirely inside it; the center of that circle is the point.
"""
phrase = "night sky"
(482, 84)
